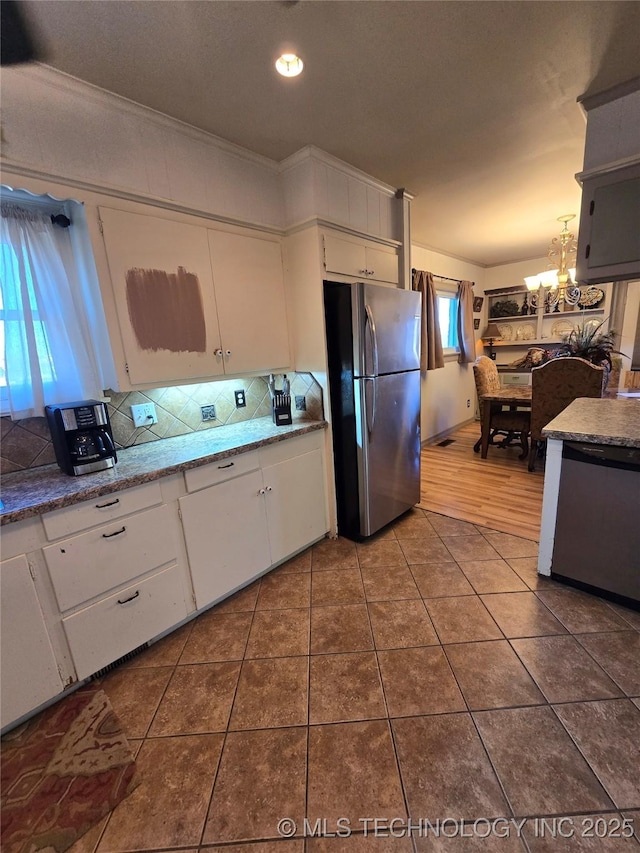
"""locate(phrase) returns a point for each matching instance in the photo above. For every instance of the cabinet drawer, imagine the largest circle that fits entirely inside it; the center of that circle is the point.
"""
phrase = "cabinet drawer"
(72, 519)
(108, 629)
(515, 378)
(290, 447)
(108, 556)
(218, 472)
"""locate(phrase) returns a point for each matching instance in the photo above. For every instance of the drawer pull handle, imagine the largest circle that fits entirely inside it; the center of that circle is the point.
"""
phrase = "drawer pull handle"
(117, 533)
(230, 465)
(135, 595)
(110, 503)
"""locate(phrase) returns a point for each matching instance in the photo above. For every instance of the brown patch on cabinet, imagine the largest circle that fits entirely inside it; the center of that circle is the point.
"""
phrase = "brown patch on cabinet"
(166, 310)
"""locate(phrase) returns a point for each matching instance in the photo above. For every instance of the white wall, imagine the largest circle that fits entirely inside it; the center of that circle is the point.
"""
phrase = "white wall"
(445, 392)
(631, 319)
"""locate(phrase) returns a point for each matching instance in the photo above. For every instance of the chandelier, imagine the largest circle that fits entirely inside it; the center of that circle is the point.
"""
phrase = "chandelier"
(560, 276)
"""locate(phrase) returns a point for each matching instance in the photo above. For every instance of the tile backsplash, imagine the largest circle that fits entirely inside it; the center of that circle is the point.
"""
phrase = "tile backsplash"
(27, 443)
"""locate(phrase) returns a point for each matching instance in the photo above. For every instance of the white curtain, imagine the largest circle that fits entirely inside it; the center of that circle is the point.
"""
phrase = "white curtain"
(49, 354)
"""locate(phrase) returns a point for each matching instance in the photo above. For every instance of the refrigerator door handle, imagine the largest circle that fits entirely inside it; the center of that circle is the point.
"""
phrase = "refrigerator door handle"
(370, 425)
(372, 326)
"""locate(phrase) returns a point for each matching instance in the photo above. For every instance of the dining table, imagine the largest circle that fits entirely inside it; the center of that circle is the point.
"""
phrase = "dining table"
(514, 395)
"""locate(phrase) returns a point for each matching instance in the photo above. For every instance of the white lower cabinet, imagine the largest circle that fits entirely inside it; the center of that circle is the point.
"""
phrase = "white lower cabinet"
(237, 529)
(29, 671)
(225, 529)
(107, 630)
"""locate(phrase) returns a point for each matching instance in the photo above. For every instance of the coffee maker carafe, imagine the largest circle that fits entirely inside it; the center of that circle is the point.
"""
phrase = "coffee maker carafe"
(82, 437)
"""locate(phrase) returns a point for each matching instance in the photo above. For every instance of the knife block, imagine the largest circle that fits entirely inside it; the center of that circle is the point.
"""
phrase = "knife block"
(281, 409)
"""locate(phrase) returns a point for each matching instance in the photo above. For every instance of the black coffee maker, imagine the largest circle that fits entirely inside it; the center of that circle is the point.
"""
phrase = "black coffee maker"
(82, 437)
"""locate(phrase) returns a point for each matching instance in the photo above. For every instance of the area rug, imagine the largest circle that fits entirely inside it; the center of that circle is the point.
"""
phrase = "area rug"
(61, 772)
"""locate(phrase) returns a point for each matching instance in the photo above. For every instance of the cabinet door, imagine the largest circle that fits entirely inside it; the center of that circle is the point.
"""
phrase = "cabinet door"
(29, 672)
(249, 285)
(382, 264)
(163, 289)
(295, 503)
(344, 256)
(225, 530)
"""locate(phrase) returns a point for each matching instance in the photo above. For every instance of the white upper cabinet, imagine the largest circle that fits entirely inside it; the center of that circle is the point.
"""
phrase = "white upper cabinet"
(249, 285)
(360, 259)
(194, 303)
(163, 290)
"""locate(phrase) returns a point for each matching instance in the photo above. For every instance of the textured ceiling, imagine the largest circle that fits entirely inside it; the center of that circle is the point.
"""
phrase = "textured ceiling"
(469, 105)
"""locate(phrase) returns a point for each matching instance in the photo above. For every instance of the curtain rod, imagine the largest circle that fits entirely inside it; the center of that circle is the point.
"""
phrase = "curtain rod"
(445, 277)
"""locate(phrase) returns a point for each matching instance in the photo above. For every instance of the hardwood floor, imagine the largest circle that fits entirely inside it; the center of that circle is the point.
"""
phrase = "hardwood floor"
(497, 491)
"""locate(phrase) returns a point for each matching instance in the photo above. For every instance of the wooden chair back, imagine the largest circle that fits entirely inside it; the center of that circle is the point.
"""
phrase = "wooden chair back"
(556, 384)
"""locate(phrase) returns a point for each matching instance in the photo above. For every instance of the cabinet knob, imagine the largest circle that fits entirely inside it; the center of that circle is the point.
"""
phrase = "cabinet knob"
(261, 491)
(363, 272)
(227, 353)
(218, 352)
(269, 489)
(370, 272)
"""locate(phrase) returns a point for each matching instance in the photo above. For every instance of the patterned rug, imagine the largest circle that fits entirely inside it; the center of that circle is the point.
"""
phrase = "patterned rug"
(61, 772)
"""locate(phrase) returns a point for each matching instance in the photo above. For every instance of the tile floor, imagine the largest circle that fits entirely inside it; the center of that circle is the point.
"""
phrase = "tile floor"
(429, 672)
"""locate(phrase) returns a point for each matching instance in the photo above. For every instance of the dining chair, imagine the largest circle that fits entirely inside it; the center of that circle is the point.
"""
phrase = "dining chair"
(553, 386)
(511, 424)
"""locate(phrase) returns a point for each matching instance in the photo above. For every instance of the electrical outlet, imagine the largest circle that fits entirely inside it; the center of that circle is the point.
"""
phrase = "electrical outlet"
(241, 401)
(208, 412)
(301, 403)
(468, 404)
(144, 414)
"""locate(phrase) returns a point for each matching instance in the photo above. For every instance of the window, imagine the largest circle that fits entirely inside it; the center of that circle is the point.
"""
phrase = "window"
(52, 330)
(448, 320)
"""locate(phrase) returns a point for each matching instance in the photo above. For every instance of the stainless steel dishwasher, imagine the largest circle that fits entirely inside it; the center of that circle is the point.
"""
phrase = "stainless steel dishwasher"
(597, 538)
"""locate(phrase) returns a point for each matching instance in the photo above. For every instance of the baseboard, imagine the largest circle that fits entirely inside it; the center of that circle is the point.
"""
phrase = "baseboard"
(447, 432)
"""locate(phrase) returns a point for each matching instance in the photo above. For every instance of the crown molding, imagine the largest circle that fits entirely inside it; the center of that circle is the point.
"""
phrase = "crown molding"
(596, 171)
(10, 168)
(311, 153)
(339, 228)
(45, 74)
(614, 93)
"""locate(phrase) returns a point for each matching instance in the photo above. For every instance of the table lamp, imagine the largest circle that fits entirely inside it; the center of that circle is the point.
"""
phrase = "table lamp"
(491, 333)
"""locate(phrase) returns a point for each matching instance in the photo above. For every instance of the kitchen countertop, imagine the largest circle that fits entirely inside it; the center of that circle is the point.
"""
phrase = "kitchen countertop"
(598, 421)
(37, 490)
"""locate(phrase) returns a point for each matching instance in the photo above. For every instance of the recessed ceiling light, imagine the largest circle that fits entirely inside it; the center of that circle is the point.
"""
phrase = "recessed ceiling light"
(289, 65)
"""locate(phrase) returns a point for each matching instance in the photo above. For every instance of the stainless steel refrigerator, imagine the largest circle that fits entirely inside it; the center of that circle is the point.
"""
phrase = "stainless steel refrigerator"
(373, 344)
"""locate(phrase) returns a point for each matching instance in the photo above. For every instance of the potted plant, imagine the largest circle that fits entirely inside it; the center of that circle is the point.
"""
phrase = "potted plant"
(589, 342)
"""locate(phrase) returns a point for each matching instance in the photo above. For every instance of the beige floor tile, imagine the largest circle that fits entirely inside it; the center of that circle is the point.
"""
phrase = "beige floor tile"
(345, 687)
(445, 770)
(261, 780)
(441, 580)
(337, 553)
(563, 670)
(135, 695)
(492, 576)
(522, 614)
(294, 845)
(353, 772)
(338, 586)
(414, 525)
(380, 552)
(445, 526)
(527, 569)
(280, 591)
(343, 628)
(198, 699)
(389, 583)
(619, 655)
(272, 692)
(538, 764)
(634, 818)
(360, 843)
(491, 676)
(419, 681)
(632, 617)
(401, 624)
(473, 547)
(582, 613)
(608, 735)
(154, 815)
(242, 601)
(279, 633)
(217, 637)
(508, 545)
(470, 839)
(462, 619)
(299, 563)
(430, 550)
(165, 652)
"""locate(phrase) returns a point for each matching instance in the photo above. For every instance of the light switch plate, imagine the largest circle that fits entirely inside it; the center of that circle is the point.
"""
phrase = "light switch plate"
(144, 414)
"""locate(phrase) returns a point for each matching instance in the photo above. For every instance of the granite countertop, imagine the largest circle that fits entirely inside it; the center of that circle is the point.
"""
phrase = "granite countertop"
(598, 421)
(37, 490)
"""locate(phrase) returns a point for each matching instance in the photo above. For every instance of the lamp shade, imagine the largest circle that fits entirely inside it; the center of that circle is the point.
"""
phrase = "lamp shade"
(492, 331)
